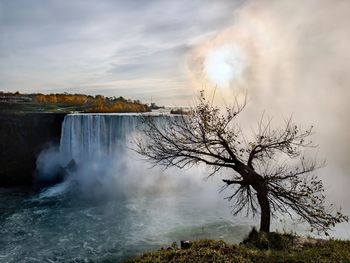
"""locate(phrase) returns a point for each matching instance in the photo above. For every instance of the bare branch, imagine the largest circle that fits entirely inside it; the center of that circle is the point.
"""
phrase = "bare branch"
(264, 170)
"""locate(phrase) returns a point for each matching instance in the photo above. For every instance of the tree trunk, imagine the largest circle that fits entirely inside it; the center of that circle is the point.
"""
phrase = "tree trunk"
(265, 209)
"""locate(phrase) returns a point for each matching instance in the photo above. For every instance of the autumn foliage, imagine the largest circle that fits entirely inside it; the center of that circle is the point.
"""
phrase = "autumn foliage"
(82, 102)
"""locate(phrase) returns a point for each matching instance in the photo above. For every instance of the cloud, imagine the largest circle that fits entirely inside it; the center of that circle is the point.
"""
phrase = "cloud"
(53, 45)
(298, 57)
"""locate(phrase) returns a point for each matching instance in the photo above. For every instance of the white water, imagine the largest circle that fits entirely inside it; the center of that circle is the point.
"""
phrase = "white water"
(99, 146)
(91, 136)
(111, 206)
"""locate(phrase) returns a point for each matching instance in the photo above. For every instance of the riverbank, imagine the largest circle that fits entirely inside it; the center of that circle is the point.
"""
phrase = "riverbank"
(311, 250)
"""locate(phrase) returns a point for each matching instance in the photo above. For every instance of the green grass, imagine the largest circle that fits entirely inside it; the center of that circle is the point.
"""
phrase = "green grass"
(47, 107)
(219, 251)
(39, 107)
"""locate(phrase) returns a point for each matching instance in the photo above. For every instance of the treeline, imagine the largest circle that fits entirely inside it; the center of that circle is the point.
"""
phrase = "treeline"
(81, 102)
(109, 105)
(69, 99)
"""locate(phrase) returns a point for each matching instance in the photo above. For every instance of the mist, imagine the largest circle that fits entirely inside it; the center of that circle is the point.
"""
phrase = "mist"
(294, 60)
(106, 168)
(93, 197)
(297, 63)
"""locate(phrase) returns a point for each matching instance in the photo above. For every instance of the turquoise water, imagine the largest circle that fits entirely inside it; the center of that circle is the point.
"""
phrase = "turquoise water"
(112, 206)
(72, 228)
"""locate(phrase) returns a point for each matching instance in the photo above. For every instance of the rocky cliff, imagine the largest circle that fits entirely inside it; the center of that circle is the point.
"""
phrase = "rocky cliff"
(22, 137)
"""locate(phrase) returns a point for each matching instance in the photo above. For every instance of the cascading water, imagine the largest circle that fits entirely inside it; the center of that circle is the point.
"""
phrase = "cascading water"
(90, 135)
(110, 206)
(93, 153)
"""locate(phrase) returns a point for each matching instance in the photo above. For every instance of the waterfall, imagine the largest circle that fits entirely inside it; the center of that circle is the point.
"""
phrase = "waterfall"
(94, 151)
(86, 136)
(106, 171)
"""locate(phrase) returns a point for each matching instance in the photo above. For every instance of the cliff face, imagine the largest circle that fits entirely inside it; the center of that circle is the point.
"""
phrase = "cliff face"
(22, 137)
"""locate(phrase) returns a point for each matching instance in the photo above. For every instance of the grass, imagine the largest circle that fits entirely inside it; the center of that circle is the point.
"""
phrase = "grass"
(55, 107)
(36, 107)
(219, 251)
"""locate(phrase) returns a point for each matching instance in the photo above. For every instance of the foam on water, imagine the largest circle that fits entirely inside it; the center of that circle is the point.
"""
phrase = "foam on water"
(110, 205)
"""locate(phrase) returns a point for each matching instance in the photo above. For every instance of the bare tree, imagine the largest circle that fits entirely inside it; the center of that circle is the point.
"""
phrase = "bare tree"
(269, 171)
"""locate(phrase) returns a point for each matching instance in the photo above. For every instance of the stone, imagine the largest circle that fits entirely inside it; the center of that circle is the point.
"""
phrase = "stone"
(185, 244)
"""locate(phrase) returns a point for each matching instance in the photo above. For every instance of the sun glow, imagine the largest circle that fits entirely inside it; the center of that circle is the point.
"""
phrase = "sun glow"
(224, 65)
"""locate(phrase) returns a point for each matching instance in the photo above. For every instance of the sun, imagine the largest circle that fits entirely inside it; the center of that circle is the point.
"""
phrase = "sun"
(224, 65)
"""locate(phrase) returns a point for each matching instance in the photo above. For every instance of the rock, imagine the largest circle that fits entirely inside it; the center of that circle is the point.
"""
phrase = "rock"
(185, 244)
(71, 166)
(57, 175)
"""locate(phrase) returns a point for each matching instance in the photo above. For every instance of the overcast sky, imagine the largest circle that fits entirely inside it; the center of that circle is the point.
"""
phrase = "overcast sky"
(132, 48)
(291, 56)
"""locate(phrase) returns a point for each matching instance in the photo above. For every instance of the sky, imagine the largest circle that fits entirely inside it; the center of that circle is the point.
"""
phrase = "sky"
(135, 49)
(287, 57)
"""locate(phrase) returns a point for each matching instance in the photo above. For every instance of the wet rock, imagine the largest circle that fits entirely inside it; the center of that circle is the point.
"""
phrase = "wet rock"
(57, 175)
(71, 166)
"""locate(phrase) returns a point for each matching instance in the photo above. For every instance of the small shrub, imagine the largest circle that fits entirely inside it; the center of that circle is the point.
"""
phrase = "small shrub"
(271, 240)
